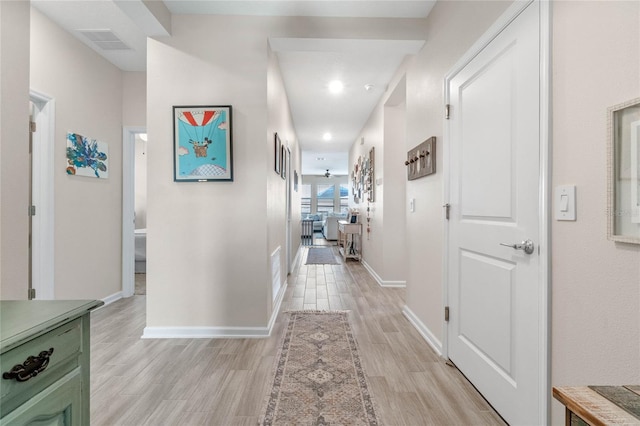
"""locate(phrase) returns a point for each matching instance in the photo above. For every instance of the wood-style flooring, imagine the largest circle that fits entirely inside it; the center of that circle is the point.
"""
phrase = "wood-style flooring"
(224, 381)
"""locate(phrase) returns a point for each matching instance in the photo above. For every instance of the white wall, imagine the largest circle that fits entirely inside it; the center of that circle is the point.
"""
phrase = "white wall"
(595, 282)
(14, 148)
(384, 246)
(134, 99)
(88, 94)
(207, 242)
(281, 122)
(452, 27)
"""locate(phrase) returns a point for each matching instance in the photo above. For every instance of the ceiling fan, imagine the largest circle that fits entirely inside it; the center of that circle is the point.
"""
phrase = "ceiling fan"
(327, 174)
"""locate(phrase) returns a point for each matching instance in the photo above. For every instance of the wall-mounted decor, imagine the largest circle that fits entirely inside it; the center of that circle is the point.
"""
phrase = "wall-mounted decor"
(277, 155)
(202, 145)
(369, 178)
(284, 155)
(623, 164)
(356, 181)
(87, 157)
(295, 180)
(421, 160)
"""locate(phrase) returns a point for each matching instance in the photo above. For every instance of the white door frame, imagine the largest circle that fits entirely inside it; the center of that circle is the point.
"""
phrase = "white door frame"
(128, 207)
(42, 244)
(545, 183)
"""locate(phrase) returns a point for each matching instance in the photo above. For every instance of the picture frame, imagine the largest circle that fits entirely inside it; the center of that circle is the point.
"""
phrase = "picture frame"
(202, 143)
(277, 156)
(623, 172)
(285, 159)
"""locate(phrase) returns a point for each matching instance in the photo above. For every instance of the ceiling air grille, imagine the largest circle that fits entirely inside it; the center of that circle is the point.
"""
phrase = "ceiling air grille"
(104, 39)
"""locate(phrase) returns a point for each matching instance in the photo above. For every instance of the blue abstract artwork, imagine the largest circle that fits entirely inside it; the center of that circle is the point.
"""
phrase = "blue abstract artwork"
(87, 157)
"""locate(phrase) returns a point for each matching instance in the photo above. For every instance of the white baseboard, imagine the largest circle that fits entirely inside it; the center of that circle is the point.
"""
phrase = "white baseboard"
(423, 330)
(379, 280)
(276, 307)
(295, 259)
(112, 298)
(218, 332)
(203, 332)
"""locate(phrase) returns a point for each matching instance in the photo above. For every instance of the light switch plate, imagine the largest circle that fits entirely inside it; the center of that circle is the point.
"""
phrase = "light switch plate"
(565, 202)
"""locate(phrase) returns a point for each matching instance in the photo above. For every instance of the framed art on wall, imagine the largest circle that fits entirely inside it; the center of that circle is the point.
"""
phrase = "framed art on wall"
(623, 146)
(87, 157)
(202, 144)
(277, 156)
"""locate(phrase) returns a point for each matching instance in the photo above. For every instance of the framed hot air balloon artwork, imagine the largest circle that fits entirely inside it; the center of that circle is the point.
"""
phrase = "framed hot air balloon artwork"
(202, 144)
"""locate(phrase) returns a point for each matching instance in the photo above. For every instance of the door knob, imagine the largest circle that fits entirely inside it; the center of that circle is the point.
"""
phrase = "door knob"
(526, 245)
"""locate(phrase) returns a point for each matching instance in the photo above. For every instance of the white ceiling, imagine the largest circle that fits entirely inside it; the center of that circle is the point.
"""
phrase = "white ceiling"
(307, 64)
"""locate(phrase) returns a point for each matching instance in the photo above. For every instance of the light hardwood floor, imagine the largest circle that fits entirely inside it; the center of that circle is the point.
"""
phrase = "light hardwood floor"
(224, 381)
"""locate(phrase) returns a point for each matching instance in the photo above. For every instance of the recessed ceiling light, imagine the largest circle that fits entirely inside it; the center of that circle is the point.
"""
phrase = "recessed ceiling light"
(327, 136)
(336, 86)
(368, 87)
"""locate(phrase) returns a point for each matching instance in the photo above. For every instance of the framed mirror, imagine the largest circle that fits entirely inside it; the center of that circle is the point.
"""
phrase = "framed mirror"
(623, 164)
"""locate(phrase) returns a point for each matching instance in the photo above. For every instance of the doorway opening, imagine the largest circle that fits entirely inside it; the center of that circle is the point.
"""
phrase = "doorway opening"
(134, 186)
(41, 232)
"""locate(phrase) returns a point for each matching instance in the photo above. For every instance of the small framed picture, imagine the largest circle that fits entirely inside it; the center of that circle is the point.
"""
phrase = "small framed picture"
(277, 155)
(202, 145)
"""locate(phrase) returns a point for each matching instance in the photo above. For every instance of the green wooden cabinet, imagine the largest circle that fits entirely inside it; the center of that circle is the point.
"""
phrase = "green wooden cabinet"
(44, 362)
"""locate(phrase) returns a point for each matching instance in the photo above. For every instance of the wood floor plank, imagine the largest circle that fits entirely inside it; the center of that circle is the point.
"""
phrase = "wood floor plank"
(225, 381)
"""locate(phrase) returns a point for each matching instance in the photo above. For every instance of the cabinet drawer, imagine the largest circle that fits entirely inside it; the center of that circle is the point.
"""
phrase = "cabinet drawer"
(58, 405)
(66, 342)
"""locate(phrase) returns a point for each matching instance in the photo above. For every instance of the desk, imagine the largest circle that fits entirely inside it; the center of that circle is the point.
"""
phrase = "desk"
(347, 246)
(585, 406)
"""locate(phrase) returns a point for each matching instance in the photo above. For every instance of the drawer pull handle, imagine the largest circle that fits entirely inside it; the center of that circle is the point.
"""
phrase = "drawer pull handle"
(30, 368)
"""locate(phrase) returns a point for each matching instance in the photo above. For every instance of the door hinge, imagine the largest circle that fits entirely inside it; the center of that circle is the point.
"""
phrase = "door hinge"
(32, 126)
(446, 313)
(447, 210)
(32, 293)
(32, 210)
(447, 109)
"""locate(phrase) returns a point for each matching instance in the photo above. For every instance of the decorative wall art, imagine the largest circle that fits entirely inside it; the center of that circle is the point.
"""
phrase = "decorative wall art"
(277, 155)
(202, 143)
(363, 178)
(421, 160)
(623, 146)
(284, 155)
(295, 180)
(87, 157)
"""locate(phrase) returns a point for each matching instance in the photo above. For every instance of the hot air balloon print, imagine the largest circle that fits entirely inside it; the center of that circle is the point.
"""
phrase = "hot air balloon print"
(202, 143)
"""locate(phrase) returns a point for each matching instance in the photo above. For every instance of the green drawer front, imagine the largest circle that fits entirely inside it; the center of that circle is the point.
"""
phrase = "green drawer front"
(57, 405)
(66, 342)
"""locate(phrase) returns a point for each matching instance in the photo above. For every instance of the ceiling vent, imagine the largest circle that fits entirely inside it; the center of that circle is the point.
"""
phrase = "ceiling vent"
(104, 39)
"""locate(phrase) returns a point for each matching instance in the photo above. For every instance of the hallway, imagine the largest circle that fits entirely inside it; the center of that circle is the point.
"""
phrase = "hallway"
(224, 381)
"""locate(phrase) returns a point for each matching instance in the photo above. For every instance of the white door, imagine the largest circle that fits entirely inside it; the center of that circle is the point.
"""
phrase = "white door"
(494, 332)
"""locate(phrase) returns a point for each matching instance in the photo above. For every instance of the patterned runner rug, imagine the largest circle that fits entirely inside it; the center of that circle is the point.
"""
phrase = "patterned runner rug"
(321, 256)
(319, 379)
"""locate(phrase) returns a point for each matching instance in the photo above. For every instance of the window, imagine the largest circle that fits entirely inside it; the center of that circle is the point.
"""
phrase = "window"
(305, 196)
(325, 194)
(344, 198)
